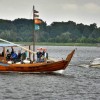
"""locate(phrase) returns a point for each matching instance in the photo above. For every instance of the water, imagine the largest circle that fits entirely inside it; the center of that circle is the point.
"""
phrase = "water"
(75, 83)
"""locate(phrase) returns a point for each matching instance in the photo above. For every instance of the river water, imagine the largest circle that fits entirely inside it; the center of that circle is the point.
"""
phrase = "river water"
(75, 83)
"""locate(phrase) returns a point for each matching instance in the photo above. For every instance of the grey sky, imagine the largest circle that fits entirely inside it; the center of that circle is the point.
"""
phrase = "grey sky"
(79, 11)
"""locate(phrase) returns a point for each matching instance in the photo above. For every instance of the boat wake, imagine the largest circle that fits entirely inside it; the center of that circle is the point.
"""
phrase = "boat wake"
(95, 63)
(84, 65)
(60, 71)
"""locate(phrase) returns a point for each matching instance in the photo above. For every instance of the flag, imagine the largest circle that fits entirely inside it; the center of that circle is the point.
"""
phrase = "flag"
(36, 15)
(37, 21)
(36, 11)
(37, 27)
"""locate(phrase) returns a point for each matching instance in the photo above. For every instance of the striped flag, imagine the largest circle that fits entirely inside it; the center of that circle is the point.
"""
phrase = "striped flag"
(36, 15)
(37, 21)
(35, 11)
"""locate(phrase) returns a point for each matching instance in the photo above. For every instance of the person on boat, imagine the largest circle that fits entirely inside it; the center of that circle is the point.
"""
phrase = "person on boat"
(44, 55)
(39, 54)
(19, 54)
(2, 53)
(24, 55)
(12, 51)
(14, 56)
(8, 55)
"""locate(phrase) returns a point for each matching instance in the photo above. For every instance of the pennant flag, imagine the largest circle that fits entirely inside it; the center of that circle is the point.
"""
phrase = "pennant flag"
(36, 11)
(37, 21)
(36, 15)
(37, 27)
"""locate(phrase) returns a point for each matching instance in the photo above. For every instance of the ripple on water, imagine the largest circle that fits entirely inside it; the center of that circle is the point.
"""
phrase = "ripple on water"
(75, 83)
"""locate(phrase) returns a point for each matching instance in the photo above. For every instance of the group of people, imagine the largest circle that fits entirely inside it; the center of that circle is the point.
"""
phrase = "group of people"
(14, 56)
(42, 56)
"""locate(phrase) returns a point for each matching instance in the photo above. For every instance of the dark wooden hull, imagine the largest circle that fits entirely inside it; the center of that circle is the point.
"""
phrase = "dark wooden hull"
(38, 67)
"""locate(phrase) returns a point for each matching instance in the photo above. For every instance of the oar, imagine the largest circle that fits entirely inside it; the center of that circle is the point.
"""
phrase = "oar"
(17, 45)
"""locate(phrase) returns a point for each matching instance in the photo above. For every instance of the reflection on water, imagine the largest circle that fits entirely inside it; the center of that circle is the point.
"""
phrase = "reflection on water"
(75, 83)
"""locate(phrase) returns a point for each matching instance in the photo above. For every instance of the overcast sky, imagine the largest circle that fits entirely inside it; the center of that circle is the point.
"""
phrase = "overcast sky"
(79, 11)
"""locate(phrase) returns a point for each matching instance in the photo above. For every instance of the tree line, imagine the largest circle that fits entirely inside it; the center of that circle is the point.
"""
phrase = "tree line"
(21, 30)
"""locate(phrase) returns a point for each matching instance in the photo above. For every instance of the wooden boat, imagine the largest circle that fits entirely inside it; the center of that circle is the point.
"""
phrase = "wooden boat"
(34, 67)
(47, 66)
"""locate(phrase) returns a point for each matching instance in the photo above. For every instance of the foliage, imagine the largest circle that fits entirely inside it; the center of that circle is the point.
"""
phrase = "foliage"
(21, 30)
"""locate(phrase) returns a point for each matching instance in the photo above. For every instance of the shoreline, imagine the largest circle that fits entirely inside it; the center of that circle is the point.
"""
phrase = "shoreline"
(58, 44)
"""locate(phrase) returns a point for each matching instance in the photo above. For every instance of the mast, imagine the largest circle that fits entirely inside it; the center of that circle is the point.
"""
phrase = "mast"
(36, 21)
(33, 32)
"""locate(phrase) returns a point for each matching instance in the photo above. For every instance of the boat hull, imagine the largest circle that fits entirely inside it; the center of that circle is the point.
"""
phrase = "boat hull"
(40, 67)
(37, 67)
